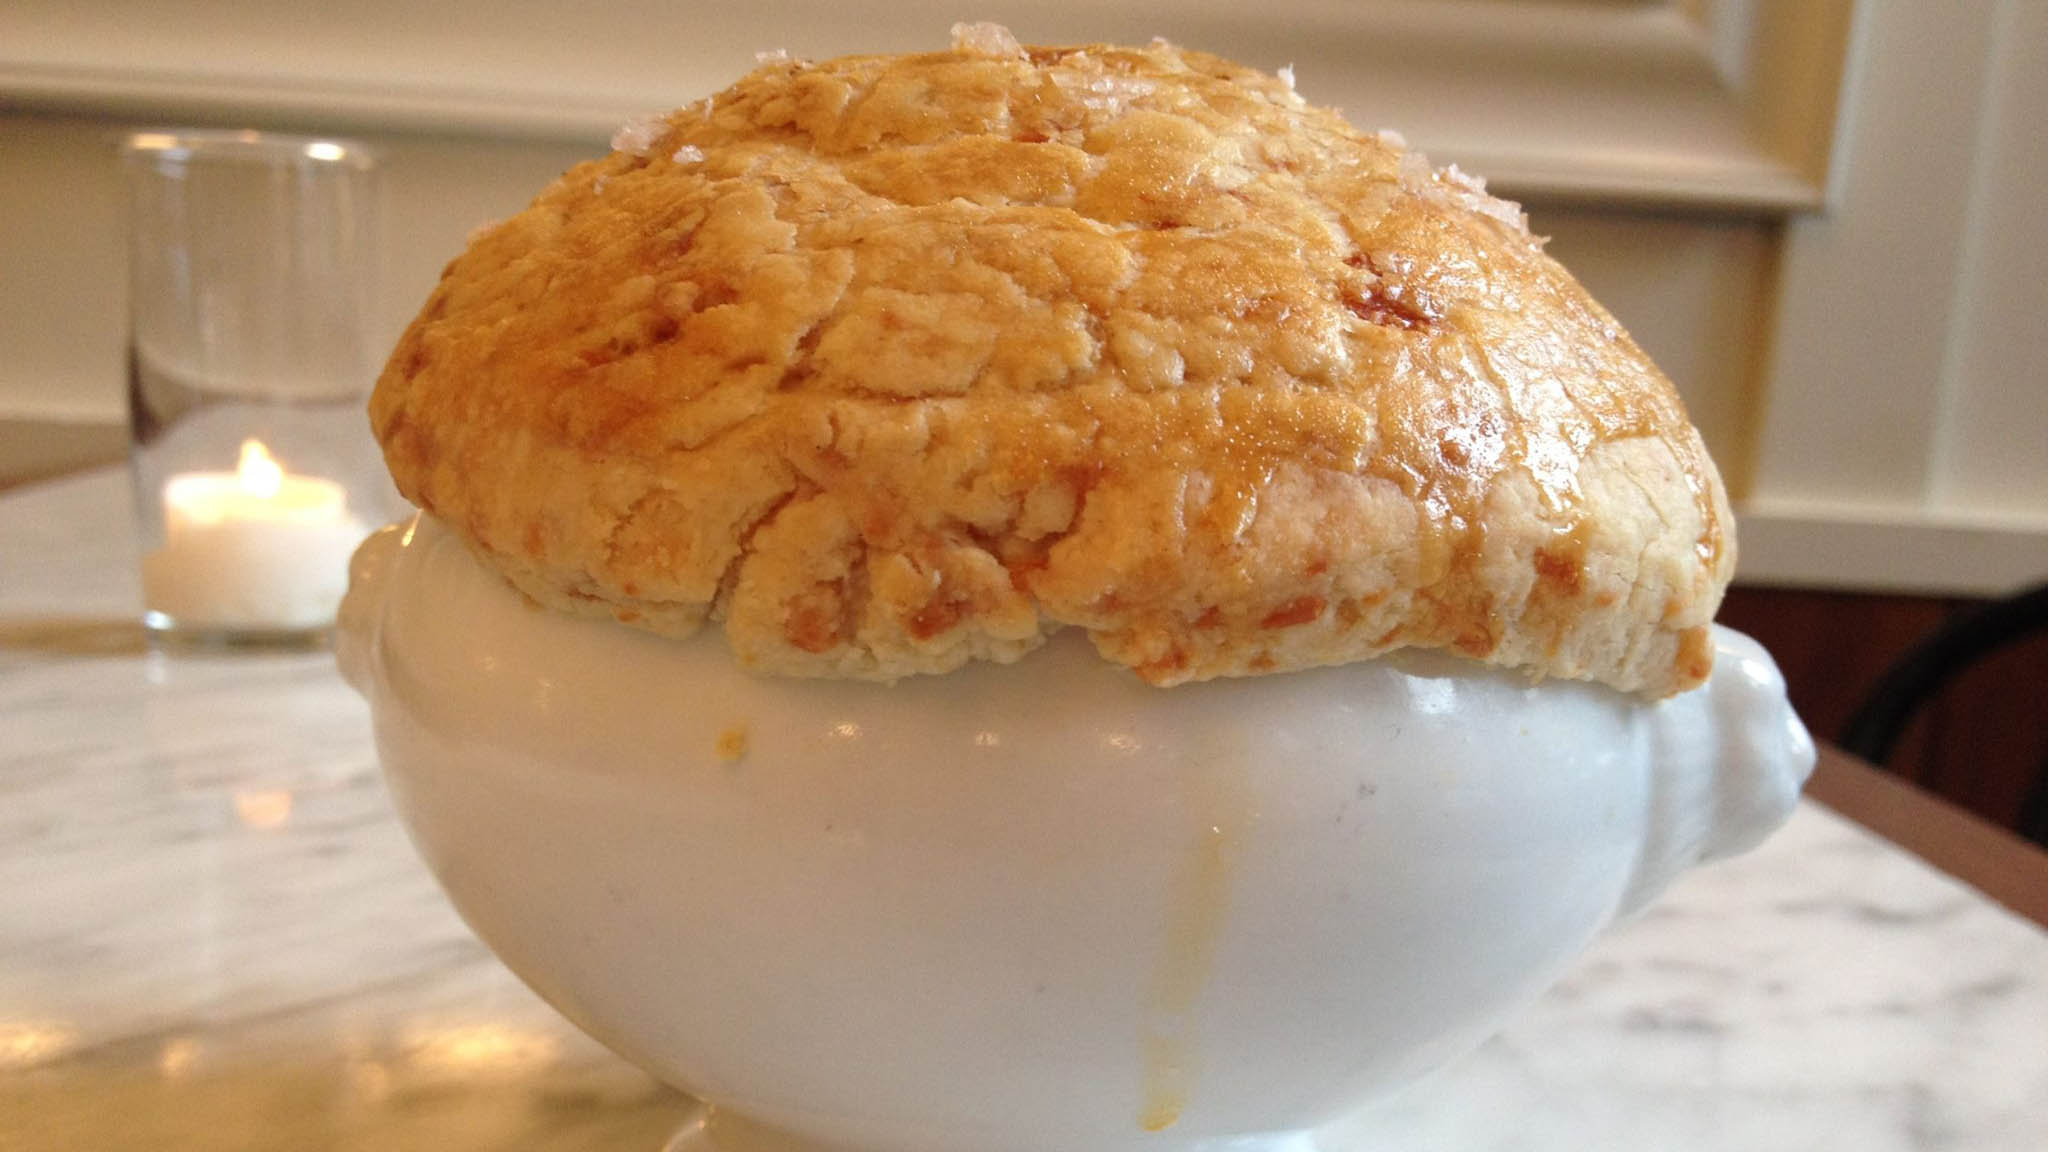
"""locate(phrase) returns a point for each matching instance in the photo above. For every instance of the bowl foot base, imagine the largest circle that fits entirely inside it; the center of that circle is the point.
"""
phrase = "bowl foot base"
(716, 1130)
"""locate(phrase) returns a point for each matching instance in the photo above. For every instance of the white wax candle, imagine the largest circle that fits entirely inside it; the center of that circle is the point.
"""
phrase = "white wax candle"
(253, 548)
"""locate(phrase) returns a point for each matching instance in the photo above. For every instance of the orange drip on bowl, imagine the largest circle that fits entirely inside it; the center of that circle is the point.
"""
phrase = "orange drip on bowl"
(1198, 904)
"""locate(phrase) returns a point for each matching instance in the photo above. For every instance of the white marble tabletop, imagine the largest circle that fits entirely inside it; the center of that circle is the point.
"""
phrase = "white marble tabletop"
(213, 935)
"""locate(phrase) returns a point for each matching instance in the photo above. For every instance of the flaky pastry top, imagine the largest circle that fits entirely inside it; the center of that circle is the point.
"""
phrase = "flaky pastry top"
(888, 363)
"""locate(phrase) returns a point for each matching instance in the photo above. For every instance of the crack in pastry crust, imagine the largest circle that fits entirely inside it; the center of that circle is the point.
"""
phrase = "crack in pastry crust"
(889, 363)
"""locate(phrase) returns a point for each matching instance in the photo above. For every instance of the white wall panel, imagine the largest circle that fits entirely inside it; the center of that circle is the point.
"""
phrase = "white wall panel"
(1904, 425)
(1992, 450)
(1869, 289)
(1696, 292)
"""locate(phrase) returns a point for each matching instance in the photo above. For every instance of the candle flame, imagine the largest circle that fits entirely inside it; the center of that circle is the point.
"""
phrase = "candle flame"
(260, 475)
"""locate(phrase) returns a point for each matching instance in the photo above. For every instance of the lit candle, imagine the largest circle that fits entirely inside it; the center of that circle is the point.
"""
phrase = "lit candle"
(255, 548)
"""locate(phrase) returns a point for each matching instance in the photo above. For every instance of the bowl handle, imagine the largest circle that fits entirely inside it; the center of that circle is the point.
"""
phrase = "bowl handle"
(1730, 759)
(362, 609)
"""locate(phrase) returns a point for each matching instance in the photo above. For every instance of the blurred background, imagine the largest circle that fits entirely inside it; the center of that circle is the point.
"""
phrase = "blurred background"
(1820, 216)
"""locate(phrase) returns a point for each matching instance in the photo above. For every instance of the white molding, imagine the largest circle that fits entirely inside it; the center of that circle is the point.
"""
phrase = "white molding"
(62, 405)
(1888, 549)
(1713, 104)
(368, 105)
(32, 450)
(1732, 181)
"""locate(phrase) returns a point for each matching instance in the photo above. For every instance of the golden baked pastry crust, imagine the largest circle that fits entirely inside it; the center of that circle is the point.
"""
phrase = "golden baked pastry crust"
(892, 362)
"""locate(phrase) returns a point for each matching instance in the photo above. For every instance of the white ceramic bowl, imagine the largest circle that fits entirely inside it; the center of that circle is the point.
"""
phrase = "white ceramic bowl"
(1034, 908)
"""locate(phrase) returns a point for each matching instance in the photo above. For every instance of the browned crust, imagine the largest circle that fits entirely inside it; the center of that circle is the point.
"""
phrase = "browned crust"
(927, 355)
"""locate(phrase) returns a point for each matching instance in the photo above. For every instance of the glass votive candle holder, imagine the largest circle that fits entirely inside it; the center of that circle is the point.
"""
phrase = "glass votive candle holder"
(252, 267)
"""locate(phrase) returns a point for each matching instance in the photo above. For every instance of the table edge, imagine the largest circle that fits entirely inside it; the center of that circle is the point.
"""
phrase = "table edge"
(2005, 868)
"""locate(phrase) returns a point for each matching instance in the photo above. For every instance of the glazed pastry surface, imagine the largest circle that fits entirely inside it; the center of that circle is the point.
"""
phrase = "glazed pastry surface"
(890, 363)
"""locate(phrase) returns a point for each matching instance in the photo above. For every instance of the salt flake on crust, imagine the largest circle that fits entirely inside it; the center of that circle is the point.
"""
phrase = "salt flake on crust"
(1102, 91)
(1452, 186)
(985, 39)
(636, 137)
(1470, 191)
